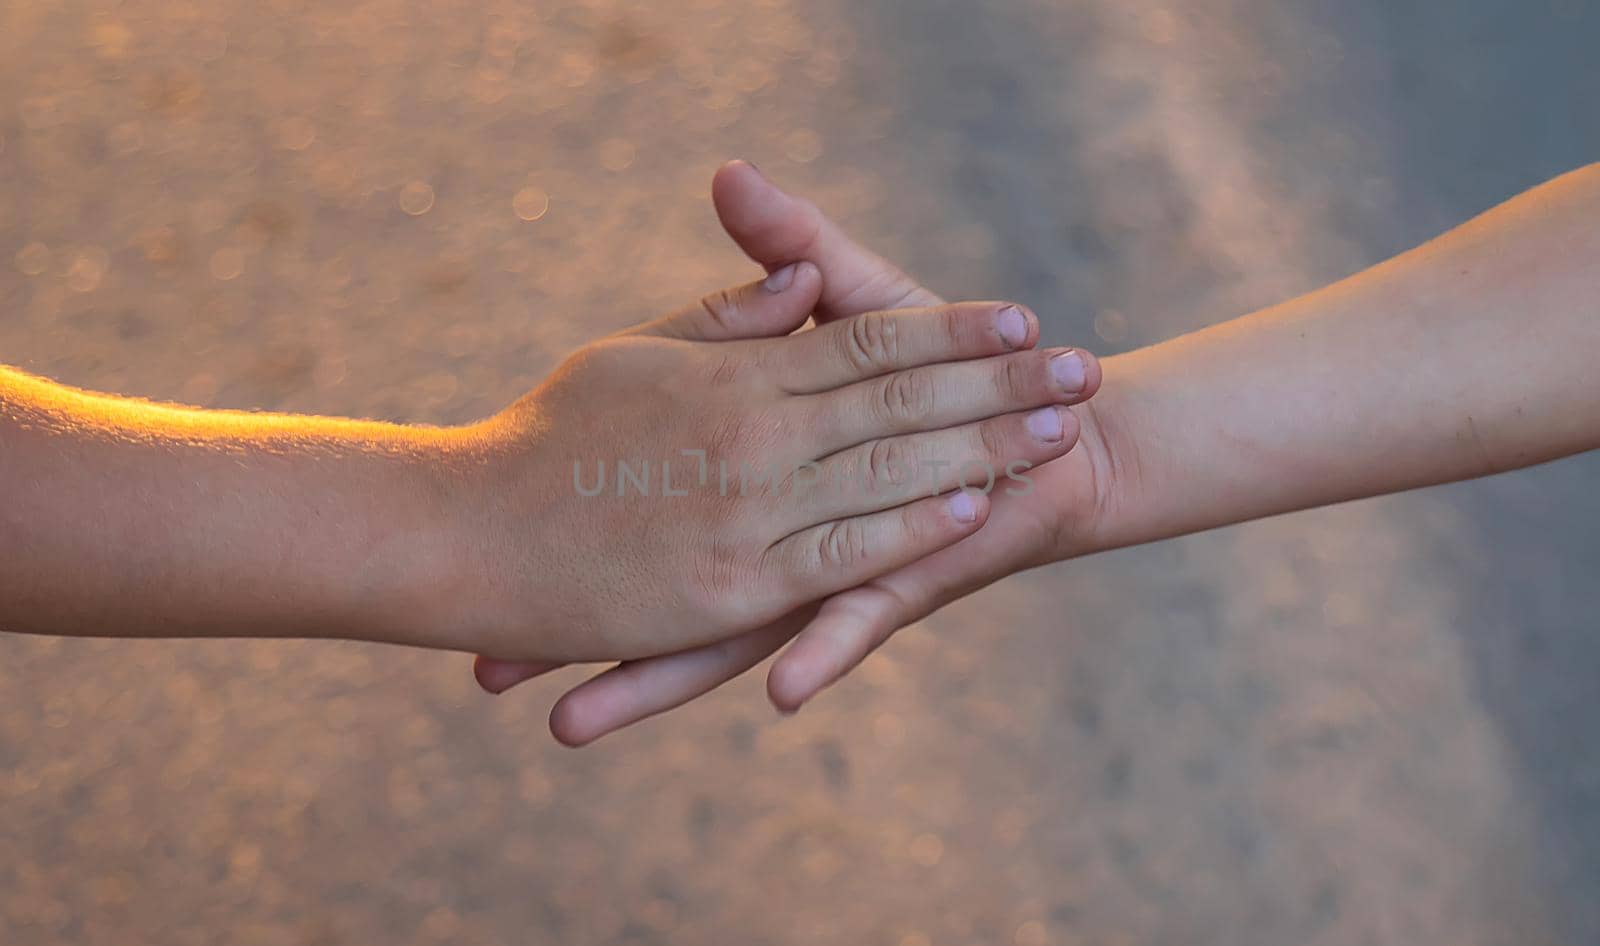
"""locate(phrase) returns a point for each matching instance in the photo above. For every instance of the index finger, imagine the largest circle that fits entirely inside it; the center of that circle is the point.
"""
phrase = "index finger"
(878, 343)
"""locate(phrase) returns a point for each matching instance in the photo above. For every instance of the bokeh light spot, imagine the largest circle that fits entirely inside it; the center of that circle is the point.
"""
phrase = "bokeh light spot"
(530, 203)
(33, 259)
(88, 269)
(416, 198)
(227, 263)
(802, 146)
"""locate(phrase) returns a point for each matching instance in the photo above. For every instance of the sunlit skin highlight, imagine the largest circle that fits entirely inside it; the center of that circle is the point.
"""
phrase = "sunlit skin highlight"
(128, 518)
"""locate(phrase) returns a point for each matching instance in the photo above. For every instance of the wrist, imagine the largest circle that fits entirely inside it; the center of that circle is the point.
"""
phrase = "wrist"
(418, 569)
(483, 568)
(1098, 516)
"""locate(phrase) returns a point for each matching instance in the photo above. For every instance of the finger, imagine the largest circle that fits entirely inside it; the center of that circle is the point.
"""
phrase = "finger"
(852, 624)
(884, 473)
(847, 628)
(775, 229)
(773, 306)
(877, 343)
(498, 676)
(639, 689)
(826, 558)
(937, 396)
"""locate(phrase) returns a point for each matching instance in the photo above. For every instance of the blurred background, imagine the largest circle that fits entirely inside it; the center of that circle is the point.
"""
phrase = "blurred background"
(1365, 725)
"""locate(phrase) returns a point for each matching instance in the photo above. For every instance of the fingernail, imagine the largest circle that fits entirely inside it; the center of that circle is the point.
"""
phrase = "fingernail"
(1067, 370)
(1045, 425)
(1013, 326)
(963, 506)
(779, 280)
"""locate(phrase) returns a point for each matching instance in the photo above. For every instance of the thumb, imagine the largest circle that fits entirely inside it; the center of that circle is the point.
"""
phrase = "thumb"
(775, 228)
(773, 306)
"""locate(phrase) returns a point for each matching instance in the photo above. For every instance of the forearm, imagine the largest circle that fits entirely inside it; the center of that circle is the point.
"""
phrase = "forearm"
(123, 518)
(1473, 354)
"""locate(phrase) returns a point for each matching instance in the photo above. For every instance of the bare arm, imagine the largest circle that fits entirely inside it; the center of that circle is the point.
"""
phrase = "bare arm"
(125, 518)
(1476, 353)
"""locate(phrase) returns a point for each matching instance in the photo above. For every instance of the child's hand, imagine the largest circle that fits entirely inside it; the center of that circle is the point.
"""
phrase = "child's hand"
(773, 228)
(857, 425)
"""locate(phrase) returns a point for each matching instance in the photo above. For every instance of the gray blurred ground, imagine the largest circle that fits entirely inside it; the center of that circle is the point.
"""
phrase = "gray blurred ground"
(1365, 725)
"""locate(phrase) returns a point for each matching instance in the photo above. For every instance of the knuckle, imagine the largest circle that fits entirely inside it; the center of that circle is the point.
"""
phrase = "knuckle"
(872, 342)
(841, 545)
(916, 524)
(721, 307)
(994, 439)
(906, 397)
(1013, 379)
(954, 327)
(890, 462)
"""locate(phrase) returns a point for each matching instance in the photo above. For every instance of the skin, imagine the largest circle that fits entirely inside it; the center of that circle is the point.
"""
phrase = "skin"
(126, 518)
(1468, 356)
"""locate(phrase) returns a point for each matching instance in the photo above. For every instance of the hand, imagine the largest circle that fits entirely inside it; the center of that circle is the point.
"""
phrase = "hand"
(1174, 446)
(1058, 516)
(849, 421)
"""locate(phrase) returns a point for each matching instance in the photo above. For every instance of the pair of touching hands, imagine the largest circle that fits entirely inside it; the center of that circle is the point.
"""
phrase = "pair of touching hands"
(696, 491)
(689, 496)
